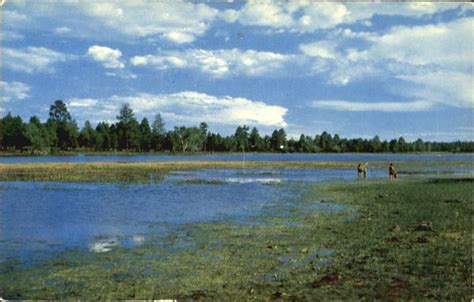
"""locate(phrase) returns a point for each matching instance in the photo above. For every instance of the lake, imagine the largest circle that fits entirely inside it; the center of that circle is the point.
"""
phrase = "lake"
(356, 157)
(40, 218)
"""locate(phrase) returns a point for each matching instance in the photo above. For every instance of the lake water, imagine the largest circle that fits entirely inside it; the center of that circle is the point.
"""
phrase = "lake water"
(39, 218)
(356, 157)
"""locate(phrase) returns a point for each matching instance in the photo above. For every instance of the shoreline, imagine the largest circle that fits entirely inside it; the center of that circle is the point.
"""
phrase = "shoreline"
(132, 153)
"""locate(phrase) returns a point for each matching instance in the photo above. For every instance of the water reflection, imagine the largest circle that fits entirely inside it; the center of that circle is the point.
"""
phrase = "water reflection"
(41, 216)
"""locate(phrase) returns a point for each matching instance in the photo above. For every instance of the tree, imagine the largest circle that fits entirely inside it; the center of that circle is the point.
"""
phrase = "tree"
(67, 135)
(37, 134)
(87, 136)
(393, 146)
(158, 133)
(203, 129)
(325, 142)
(104, 141)
(145, 137)
(241, 138)
(402, 145)
(256, 141)
(376, 144)
(213, 141)
(126, 115)
(419, 145)
(184, 139)
(14, 132)
(278, 140)
(114, 137)
(58, 112)
(336, 144)
(1, 133)
(128, 129)
(304, 144)
(65, 127)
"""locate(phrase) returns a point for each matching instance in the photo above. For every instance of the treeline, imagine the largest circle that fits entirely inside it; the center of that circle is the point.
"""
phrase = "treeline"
(61, 133)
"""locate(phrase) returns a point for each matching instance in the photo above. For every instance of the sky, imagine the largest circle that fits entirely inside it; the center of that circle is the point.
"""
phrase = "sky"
(355, 69)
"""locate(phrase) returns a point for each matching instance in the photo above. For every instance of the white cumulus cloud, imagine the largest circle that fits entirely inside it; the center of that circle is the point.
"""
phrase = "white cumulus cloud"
(33, 59)
(309, 16)
(323, 49)
(13, 91)
(178, 22)
(174, 21)
(344, 105)
(436, 69)
(187, 107)
(219, 63)
(108, 57)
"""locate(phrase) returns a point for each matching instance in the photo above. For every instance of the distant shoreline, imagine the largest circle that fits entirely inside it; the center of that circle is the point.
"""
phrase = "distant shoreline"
(128, 153)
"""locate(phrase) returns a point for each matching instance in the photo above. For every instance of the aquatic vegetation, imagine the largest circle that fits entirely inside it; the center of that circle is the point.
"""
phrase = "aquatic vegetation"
(372, 248)
(155, 171)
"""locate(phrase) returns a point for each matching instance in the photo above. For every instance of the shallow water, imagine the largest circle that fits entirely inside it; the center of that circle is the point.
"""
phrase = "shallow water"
(37, 218)
(357, 157)
(41, 217)
(272, 175)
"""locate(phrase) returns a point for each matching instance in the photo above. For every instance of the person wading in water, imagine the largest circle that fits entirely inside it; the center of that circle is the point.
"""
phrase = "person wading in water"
(392, 173)
(362, 170)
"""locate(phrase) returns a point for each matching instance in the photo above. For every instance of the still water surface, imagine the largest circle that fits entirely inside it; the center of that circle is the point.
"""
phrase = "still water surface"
(358, 157)
(39, 218)
(42, 217)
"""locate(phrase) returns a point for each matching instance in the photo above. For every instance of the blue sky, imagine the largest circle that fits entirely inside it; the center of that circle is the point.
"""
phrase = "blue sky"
(356, 69)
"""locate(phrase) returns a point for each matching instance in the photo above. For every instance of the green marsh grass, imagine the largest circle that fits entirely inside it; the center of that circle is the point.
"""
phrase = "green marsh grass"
(154, 171)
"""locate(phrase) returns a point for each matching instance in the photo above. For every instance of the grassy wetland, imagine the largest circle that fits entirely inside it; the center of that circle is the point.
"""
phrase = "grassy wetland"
(364, 239)
(155, 171)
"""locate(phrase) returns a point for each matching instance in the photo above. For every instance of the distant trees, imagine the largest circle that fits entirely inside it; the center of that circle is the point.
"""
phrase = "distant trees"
(88, 136)
(184, 139)
(61, 133)
(64, 127)
(145, 135)
(241, 138)
(13, 132)
(128, 129)
(158, 133)
(256, 142)
(278, 141)
(37, 134)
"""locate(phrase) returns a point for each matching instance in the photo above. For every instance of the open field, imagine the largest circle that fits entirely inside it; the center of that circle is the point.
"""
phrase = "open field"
(154, 171)
(409, 239)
